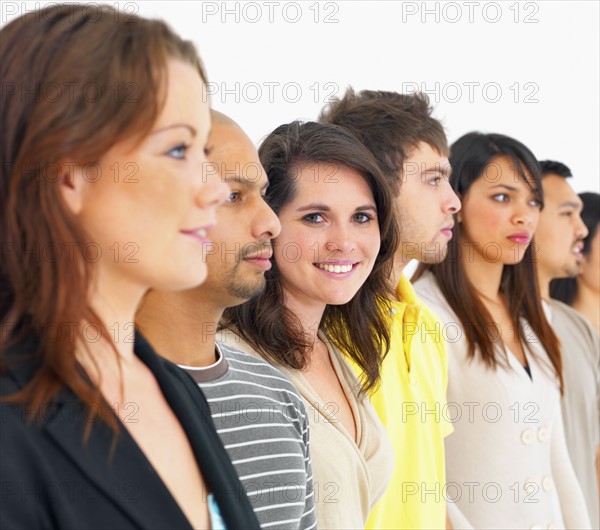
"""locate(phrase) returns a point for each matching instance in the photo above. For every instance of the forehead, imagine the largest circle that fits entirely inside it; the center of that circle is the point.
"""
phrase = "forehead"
(330, 183)
(557, 191)
(424, 159)
(235, 154)
(184, 98)
(501, 170)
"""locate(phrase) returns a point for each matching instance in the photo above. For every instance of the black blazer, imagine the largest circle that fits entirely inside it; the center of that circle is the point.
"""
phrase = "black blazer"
(50, 480)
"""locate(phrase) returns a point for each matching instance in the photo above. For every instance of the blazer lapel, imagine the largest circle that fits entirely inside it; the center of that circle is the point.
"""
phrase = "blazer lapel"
(124, 476)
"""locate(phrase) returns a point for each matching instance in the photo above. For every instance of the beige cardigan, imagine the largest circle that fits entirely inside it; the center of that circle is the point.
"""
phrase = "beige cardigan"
(507, 462)
(349, 478)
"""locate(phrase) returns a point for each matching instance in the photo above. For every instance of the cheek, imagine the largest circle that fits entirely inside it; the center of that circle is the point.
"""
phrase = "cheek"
(372, 243)
(535, 220)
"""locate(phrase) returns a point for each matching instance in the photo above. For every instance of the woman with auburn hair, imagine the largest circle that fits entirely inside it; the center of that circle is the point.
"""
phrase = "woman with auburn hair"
(326, 294)
(103, 196)
(507, 462)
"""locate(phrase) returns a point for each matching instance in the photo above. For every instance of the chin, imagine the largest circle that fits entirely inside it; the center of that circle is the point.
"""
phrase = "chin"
(338, 299)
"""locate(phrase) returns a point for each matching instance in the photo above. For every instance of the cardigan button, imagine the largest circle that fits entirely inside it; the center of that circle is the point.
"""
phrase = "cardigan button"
(547, 484)
(527, 436)
(552, 526)
(536, 527)
(542, 434)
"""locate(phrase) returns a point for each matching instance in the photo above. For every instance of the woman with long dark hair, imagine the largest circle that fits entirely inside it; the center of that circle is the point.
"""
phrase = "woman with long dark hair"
(325, 294)
(103, 196)
(507, 462)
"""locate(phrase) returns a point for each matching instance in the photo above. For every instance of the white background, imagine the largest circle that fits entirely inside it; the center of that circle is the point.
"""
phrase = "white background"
(526, 69)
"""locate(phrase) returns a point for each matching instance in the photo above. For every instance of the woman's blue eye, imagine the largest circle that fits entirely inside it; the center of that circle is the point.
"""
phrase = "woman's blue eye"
(234, 196)
(178, 151)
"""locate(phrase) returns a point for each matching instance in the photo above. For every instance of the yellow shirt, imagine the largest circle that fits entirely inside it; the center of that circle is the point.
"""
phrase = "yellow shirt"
(411, 403)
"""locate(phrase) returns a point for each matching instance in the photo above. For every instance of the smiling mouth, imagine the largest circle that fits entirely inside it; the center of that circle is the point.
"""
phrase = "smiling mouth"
(336, 269)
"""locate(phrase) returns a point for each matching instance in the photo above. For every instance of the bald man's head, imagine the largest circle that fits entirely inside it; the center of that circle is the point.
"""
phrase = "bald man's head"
(221, 119)
(241, 249)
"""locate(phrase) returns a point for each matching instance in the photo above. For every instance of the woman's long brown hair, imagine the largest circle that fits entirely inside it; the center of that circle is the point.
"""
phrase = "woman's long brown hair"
(469, 156)
(76, 79)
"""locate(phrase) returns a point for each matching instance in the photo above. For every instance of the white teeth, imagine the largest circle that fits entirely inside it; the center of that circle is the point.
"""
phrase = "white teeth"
(337, 269)
(201, 232)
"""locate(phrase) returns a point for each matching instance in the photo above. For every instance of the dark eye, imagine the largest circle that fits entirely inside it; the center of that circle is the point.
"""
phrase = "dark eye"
(536, 202)
(178, 152)
(434, 181)
(500, 197)
(313, 218)
(362, 218)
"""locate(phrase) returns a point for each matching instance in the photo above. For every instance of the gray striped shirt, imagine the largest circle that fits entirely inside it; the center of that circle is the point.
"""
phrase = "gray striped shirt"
(263, 424)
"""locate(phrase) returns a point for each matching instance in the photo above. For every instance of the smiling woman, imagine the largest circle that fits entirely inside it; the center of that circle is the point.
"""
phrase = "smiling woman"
(325, 299)
(119, 170)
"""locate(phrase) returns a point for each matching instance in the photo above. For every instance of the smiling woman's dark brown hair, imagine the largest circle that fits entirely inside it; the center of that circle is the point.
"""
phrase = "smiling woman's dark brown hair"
(76, 80)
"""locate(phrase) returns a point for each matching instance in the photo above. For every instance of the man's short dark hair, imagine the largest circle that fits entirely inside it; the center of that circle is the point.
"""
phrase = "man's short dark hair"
(389, 124)
(555, 168)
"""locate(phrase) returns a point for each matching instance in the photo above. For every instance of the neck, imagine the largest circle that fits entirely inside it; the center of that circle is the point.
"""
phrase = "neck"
(181, 326)
(484, 275)
(400, 263)
(308, 312)
(114, 301)
(544, 281)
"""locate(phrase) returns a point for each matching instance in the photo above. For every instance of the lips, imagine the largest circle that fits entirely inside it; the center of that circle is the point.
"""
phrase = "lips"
(447, 231)
(521, 238)
(200, 234)
(260, 259)
(578, 249)
(336, 267)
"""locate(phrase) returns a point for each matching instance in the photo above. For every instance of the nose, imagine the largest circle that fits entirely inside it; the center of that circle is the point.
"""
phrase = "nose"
(451, 203)
(582, 230)
(525, 215)
(339, 239)
(211, 191)
(265, 223)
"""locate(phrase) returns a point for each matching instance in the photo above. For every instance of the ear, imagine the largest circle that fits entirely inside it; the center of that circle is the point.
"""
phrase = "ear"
(72, 184)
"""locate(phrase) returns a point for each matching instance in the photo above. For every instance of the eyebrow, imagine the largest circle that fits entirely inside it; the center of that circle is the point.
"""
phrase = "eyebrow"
(445, 170)
(504, 186)
(174, 126)
(324, 208)
(246, 183)
(571, 204)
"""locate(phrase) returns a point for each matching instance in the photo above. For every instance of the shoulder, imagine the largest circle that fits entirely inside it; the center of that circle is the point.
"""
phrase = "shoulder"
(431, 298)
(248, 368)
(565, 319)
(234, 342)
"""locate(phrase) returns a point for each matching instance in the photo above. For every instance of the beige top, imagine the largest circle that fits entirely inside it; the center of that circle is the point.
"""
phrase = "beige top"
(507, 464)
(348, 478)
(580, 349)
